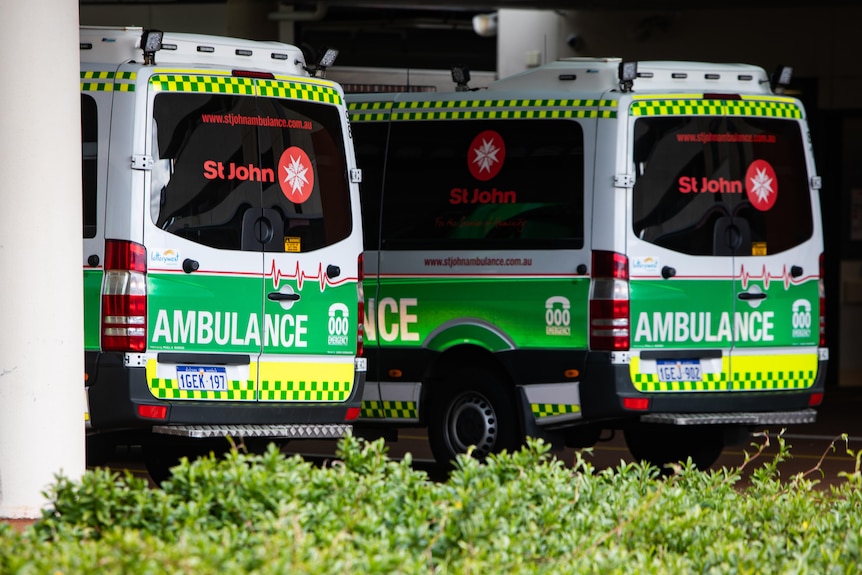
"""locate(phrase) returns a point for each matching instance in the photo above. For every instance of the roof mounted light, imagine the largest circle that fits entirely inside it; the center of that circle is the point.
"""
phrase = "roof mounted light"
(780, 79)
(461, 77)
(318, 70)
(151, 42)
(628, 72)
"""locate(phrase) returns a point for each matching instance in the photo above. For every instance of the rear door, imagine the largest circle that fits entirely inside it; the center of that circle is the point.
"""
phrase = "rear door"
(724, 256)
(248, 205)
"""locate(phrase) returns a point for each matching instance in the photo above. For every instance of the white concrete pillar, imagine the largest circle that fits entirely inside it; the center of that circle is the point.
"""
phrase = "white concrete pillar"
(41, 293)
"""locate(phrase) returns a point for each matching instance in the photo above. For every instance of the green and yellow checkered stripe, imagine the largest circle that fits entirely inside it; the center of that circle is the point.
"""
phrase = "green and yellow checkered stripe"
(107, 81)
(199, 83)
(759, 373)
(389, 410)
(693, 106)
(237, 391)
(299, 91)
(519, 109)
(306, 381)
(280, 381)
(550, 409)
(749, 373)
(305, 390)
(204, 83)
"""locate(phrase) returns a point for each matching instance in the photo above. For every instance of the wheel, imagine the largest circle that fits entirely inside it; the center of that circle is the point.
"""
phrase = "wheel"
(474, 409)
(662, 444)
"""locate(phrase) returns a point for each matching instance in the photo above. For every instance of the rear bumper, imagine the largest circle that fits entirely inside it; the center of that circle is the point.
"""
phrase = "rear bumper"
(606, 386)
(116, 391)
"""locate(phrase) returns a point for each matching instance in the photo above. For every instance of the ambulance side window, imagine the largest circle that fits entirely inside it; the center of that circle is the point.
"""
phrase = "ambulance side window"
(484, 184)
(89, 163)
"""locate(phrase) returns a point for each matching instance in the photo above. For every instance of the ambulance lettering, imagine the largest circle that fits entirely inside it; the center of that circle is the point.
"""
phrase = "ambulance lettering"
(216, 171)
(492, 196)
(229, 328)
(688, 184)
(801, 319)
(394, 318)
(760, 185)
(339, 323)
(696, 327)
(558, 317)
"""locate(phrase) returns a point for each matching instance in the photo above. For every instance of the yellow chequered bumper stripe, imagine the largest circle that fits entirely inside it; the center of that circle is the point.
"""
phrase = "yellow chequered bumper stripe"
(389, 409)
(326, 382)
(521, 109)
(107, 81)
(773, 372)
(166, 388)
(280, 382)
(773, 108)
(549, 409)
(749, 373)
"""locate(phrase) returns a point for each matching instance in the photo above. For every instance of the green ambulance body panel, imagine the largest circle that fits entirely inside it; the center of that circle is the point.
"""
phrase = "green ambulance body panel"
(497, 314)
(222, 314)
(694, 314)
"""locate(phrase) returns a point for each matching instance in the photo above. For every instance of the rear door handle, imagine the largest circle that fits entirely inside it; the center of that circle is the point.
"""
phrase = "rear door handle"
(746, 296)
(278, 296)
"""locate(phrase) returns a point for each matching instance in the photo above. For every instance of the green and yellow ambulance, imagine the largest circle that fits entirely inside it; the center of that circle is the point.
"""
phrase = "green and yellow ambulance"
(222, 242)
(588, 246)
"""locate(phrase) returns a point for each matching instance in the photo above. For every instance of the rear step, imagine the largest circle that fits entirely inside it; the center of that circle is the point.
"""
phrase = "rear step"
(744, 418)
(298, 431)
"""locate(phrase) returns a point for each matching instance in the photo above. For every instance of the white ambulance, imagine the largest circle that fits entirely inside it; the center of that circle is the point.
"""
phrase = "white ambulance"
(592, 245)
(222, 242)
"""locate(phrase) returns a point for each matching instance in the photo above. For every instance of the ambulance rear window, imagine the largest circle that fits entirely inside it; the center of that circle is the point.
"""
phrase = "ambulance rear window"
(223, 164)
(721, 185)
(495, 184)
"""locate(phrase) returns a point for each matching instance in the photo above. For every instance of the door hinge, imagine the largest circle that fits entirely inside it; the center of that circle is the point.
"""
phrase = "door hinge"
(142, 162)
(624, 181)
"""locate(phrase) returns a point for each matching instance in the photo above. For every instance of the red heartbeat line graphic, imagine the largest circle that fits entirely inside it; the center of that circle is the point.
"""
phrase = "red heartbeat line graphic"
(765, 277)
(300, 276)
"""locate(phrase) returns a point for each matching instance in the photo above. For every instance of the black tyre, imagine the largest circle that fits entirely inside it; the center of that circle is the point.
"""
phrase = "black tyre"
(662, 444)
(473, 409)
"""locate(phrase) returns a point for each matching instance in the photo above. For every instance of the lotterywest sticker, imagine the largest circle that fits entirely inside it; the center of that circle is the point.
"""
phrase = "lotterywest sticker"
(485, 155)
(296, 176)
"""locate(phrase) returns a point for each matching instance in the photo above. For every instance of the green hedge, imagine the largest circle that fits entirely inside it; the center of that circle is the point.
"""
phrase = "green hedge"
(524, 512)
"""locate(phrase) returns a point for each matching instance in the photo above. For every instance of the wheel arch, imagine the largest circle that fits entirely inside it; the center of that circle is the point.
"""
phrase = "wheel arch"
(440, 372)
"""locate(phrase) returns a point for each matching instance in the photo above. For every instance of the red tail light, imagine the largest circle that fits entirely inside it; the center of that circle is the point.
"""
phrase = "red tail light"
(822, 304)
(124, 297)
(609, 302)
(352, 414)
(360, 292)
